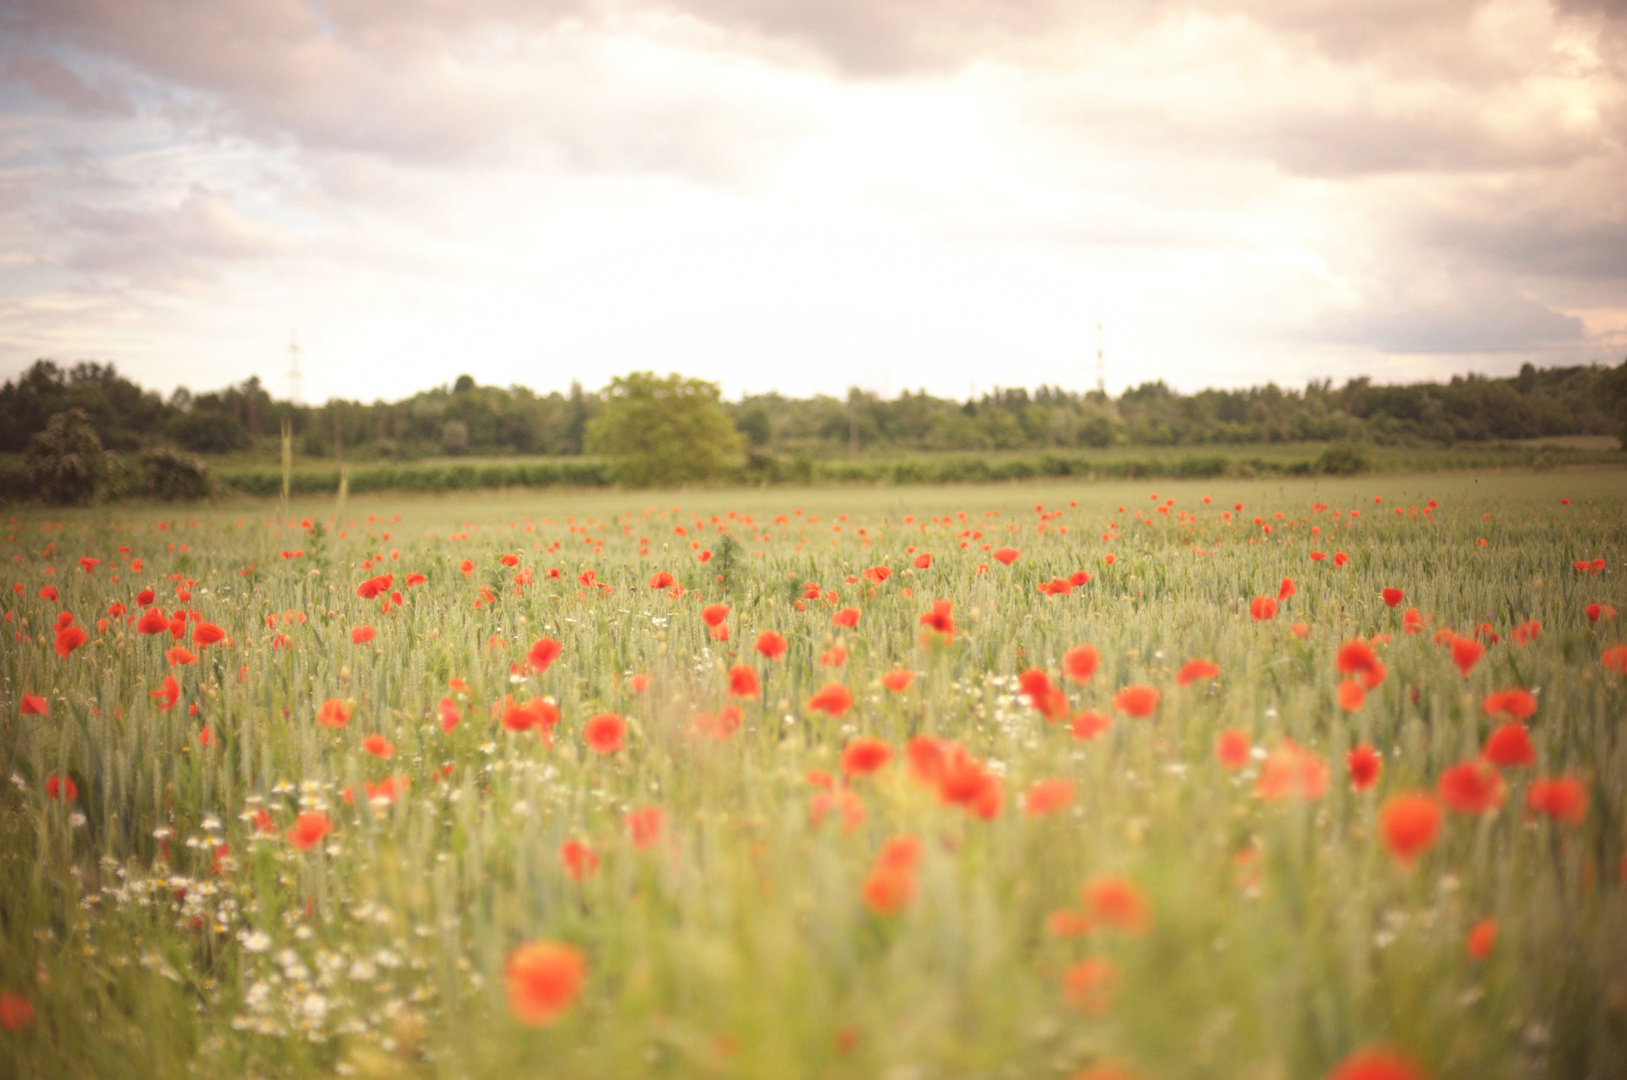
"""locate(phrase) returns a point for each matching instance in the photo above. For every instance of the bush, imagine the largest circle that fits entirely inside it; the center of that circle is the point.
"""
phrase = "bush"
(206, 431)
(65, 462)
(664, 432)
(173, 476)
(1203, 466)
(1344, 460)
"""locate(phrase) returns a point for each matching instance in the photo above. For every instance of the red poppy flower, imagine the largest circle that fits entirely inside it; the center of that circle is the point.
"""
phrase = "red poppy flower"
(1481, 939)
(938, 619)
(449, 714)
(1340, 558)
(361, 635)
(543, 979)
(580, 860)
(1262, 608)
(902, 852)
(1066, 923)
(743, 682)
(833, 699)
(537, 713)
(1510, 747)
(1472, 787)
(1358, 659)
(180, 655)
(604, 733)
(888, 890)
(925, 758)
(1351, 695)
(1232, 749)
(770, 645)
(33, 704)
(152, 621)
(1364, 765)
(1615, 659)
(207, 634)
(544, 651)
(1048, 796)
(1117, 903)
(1136, 700)
(1292, 773)
(644, 826)
(15, 1012)
(1393, 597)
(70, 638)
(1089, 724)
(1410, 824)
(1514, 704)
(1005, 555)
(877, 574)
(1286, 589)
(714, 614)
(865, 755)
(61, 788)
(847, 616)
(1193, 670)
(1091, 984)
(49, 593)
(1466, 653)
(167, 694)
(309, 830)
(1080, 662)
(1377, 1063)
(378, 746)
(923, 561)
(1562, 798)
(897, 681)
(333, 713)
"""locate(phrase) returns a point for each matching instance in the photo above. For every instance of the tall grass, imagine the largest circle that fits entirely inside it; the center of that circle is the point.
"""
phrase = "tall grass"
(156, 931)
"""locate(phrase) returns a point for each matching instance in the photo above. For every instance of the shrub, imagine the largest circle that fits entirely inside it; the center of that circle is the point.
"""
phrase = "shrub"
(1343, 460)
(173, 476)
(65, 462)
(207, 431)
(661, 432)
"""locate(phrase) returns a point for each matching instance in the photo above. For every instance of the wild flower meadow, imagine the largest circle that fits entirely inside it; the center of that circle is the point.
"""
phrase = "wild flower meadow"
(1301, 780)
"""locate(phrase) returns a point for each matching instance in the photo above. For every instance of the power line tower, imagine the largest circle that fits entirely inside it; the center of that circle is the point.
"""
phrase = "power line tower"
(1101, 363)
(294, 377)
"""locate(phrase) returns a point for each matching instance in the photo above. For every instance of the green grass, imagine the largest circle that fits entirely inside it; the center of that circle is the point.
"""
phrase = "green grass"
(1283, 936)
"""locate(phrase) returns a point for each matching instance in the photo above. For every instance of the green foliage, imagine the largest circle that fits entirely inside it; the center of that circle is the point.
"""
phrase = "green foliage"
(1343, 460)
(65, 462)
(173, 476)
(208, 431)
(659, 432)
(162, 924)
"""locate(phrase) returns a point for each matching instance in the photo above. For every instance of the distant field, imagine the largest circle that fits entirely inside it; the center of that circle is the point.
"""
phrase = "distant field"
(305, 814)
(1286, 459)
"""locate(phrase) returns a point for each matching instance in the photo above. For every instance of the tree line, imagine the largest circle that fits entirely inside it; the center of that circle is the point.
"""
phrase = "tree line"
(465, 418)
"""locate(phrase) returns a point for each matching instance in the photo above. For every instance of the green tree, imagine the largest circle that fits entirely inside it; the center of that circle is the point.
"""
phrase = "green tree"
(661, 432)
(65, 462)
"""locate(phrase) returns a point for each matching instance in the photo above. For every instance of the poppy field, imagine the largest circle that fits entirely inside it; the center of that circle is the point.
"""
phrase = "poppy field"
(1299, 779)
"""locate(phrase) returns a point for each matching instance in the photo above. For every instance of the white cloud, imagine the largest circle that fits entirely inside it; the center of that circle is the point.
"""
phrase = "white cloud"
(801, 196)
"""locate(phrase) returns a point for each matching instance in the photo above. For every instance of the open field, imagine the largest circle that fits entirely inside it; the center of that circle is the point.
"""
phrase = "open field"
(374, 830)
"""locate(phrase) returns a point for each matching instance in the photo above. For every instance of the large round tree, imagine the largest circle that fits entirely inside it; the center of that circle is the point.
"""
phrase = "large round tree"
(659, 432)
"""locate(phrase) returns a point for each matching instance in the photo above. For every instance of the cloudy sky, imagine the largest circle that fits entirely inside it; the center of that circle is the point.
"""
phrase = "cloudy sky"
(804, 195)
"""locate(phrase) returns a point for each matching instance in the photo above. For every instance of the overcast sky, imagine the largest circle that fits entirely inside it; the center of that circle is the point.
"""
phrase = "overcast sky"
(803, 195)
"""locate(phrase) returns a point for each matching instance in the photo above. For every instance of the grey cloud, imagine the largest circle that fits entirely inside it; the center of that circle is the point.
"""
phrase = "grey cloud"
(50, 79)
(1487, 319)
(181, 246)
(1553, 242)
